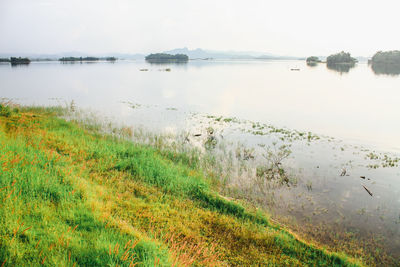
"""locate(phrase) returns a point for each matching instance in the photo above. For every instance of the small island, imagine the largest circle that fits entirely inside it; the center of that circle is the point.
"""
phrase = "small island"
(387, 62)
(111, 59)
(387, 57)
(341, 58)
(313, 61)
(167, 58)
(341, 62)
(16, 60)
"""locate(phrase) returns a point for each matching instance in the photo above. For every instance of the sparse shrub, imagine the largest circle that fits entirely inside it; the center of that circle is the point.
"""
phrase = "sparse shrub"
(5, 111)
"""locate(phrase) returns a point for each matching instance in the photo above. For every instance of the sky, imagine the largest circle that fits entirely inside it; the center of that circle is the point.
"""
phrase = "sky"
(292, 28)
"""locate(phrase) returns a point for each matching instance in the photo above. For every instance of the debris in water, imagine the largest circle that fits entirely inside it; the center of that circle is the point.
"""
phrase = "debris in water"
(187, 140)
(362, 177)
(343, 172)
(369, 192)
(197, 135)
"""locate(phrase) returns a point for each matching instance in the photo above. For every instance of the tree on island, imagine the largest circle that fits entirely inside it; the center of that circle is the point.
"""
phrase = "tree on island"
(386, 62)
(387, 57)
(340, 62)
(111, 58)
(341, 58)
(313, 59)
(19, 60)
(166, 58)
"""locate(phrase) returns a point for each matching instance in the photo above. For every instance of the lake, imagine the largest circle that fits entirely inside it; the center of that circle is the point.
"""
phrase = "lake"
(355, 105)
(341, 125)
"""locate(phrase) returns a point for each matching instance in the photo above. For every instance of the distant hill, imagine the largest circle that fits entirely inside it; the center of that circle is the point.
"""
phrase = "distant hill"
(211, 54)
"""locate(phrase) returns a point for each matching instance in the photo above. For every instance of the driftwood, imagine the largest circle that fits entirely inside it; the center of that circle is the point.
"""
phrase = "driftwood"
(369, 192)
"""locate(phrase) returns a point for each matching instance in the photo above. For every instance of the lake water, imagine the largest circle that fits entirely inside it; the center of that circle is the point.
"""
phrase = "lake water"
(359, 107)
(355, 105)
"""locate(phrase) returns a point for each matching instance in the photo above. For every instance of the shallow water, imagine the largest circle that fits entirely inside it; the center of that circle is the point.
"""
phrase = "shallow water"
(358, 108)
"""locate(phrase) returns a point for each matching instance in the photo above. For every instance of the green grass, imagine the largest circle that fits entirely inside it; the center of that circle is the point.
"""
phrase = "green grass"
(70, 196)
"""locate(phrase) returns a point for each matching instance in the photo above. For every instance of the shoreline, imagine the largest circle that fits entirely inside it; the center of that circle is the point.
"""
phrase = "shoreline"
(203, 200)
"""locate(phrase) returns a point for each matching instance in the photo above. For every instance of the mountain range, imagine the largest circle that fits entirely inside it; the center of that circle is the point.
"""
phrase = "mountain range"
(193, 54)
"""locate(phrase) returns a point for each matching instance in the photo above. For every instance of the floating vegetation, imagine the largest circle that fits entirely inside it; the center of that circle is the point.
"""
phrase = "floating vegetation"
(132, 104)
(385, 160)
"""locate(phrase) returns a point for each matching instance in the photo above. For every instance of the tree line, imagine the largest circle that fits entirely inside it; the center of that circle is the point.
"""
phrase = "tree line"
(162, 57)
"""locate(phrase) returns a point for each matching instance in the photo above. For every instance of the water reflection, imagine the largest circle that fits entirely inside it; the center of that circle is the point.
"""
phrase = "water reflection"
(387, 69)
(163, 63)
(63, 62)
(19, 65)
(341, 68)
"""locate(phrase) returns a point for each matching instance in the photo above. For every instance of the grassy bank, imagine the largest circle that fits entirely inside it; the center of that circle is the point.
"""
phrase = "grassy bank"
(70, 196)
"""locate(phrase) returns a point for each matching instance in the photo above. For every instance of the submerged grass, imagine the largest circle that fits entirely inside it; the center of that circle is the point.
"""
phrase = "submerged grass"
(71, 196)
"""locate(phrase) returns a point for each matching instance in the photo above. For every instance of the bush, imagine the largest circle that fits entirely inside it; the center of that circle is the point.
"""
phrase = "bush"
(5, 111)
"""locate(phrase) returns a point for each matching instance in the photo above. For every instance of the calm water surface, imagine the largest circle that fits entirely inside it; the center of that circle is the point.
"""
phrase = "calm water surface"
(357, 107)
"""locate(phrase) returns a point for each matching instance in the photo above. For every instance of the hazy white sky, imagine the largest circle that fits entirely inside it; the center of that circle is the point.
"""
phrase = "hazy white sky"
(282, 27)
